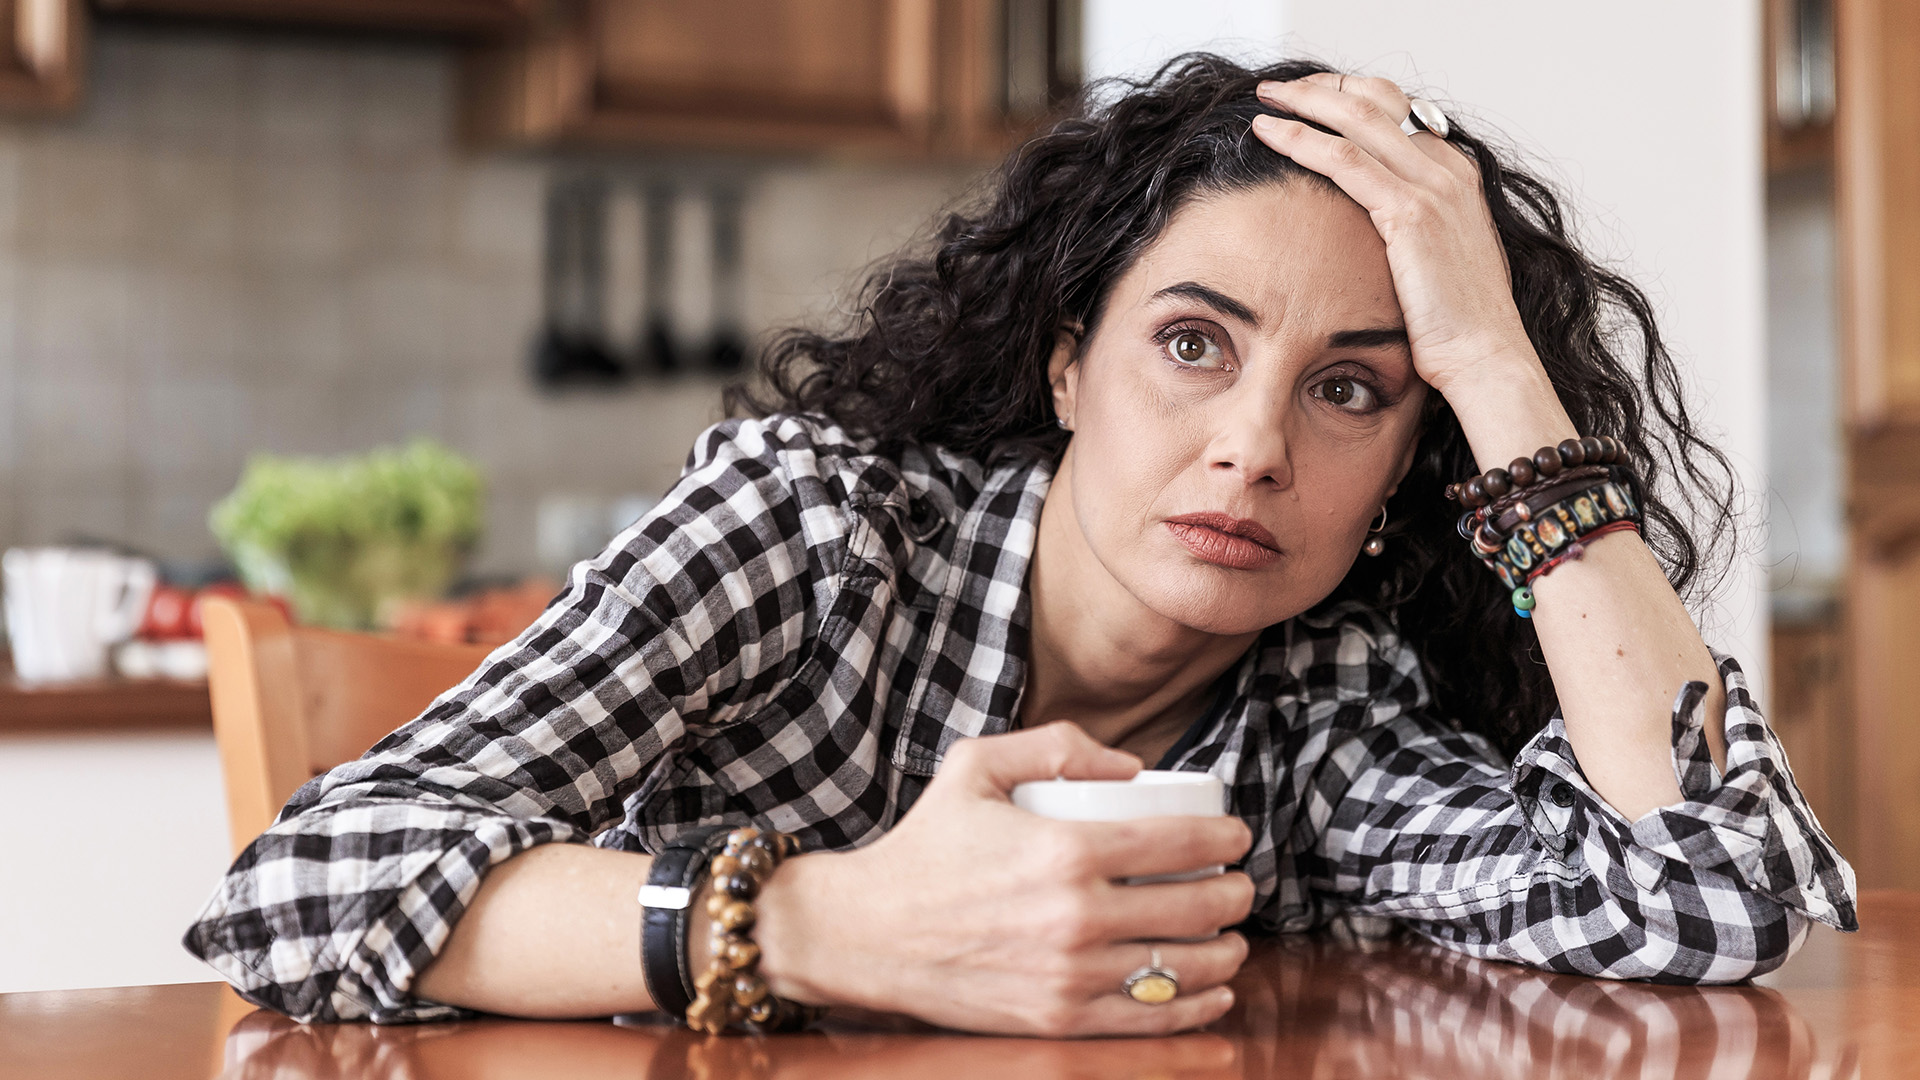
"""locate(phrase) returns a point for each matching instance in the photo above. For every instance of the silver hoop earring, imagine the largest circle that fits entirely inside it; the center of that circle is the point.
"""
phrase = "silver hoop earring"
(1375, 544)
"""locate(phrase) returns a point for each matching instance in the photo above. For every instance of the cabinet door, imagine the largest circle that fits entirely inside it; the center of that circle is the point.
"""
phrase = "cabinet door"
(849, 63)
(1877, 182)
(744, 74)
(479, 17)
(957, 78)
(42, 42)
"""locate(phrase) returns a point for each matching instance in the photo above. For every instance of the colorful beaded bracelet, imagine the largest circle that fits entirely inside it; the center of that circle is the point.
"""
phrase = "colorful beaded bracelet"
(1488, 527)
(1545, 464)
(1556, 530)
(731, 990)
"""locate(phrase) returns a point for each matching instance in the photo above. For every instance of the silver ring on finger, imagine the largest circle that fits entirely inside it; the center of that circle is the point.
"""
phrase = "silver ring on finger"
(1426, 116)
(1152, 984)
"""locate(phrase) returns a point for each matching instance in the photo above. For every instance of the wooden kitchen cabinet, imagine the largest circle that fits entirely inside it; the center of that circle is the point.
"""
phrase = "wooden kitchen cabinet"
(1877, 184)
(44, 45)
(489, 18)
(908, 77)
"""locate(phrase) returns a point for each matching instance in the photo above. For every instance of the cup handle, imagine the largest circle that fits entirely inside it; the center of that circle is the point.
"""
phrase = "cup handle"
(119, 622)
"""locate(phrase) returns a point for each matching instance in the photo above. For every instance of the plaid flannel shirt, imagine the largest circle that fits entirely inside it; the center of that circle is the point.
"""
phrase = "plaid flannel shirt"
(801, 629)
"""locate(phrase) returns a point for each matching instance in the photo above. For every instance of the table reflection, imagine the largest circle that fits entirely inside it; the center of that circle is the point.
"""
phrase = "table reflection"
(1317, 1008)
(1308, 1007)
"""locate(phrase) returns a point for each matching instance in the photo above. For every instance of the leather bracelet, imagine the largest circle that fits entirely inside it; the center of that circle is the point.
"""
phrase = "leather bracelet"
(665, 900)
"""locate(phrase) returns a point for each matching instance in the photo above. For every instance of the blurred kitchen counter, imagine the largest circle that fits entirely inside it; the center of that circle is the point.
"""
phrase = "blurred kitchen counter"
(112, 704)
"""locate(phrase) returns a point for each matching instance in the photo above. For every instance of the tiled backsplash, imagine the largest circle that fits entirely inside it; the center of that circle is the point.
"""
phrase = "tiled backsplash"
(273, 243)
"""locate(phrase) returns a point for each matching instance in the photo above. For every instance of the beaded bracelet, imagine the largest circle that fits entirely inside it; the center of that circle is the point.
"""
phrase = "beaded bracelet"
(730, 990)
(1545, 464)
(1489, 527)
(1566, 520)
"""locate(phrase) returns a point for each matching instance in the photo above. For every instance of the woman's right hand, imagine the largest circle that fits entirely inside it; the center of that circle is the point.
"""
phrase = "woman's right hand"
(977, 915)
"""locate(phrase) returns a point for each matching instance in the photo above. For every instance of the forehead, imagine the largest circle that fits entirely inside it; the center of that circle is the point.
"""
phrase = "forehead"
(1293, 251)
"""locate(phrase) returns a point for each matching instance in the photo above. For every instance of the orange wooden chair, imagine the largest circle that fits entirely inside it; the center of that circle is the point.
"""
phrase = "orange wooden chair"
(290, 702)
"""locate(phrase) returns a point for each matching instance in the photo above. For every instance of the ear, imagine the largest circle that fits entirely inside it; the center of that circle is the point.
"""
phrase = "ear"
(1063, 371)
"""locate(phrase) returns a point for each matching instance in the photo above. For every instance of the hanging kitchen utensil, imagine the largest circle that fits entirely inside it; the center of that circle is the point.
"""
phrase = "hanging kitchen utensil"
(658, 353)
(571, 347)
(727, 347)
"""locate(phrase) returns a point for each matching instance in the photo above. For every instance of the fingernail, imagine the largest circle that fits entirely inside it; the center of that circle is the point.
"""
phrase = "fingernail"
(1269, 88)
(1263, 122)
(1224, 995)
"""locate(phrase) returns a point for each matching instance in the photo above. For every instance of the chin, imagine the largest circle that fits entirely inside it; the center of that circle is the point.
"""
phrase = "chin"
(1217, 601)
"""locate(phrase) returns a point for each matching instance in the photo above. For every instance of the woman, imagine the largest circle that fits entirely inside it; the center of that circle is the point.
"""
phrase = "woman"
(1089, 488)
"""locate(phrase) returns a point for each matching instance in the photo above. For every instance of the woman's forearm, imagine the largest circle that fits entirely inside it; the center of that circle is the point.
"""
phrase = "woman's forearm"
(553, 933)
(1618, 642)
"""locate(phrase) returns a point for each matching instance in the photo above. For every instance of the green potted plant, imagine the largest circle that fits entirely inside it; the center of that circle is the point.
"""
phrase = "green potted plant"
(346, 540)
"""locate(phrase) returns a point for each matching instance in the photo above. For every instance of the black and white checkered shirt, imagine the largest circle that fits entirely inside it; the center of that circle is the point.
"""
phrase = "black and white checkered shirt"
(797, 634)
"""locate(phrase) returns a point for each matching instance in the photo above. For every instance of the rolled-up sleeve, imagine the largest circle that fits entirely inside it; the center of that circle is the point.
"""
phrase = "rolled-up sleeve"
(1528, 863)
(332, 912)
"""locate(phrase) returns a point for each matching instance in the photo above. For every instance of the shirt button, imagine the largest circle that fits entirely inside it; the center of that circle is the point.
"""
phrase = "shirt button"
(1560, 795)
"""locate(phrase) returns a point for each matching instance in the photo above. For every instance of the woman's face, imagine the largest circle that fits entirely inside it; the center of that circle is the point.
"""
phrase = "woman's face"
(1243, 408)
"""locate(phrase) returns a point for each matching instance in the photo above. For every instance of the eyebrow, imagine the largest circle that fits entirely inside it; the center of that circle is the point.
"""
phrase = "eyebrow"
(1373, 338)
(1370, 339)
(1213, 298)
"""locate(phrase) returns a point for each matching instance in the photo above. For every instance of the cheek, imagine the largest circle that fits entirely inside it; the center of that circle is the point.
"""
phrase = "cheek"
(1130, 440)
(1341, 490)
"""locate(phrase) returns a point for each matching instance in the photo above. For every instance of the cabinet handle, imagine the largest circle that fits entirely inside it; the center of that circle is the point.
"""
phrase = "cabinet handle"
(40, 35)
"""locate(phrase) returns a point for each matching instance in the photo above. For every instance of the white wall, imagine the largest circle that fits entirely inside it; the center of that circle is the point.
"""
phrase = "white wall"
(1132, 37)
(112, 845)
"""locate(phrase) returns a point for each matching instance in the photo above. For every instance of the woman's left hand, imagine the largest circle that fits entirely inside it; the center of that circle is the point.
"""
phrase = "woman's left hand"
(1425, 199)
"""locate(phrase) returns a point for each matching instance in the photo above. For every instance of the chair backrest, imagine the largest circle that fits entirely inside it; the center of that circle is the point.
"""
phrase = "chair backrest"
(290, 702)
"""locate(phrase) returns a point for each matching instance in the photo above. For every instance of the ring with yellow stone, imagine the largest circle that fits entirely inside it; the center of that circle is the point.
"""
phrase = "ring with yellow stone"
(1153, 984)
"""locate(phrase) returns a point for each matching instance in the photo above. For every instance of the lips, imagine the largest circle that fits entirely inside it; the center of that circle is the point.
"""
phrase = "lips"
(1225, 540)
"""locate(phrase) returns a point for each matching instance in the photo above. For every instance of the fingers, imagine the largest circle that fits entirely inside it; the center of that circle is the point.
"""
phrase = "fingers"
(1370, 120)
(1382, 92)
(1389, 147)
(1185, 909)
(1203, 970)
(1199, 966)
(1060, 749)
(1398, 106)
(1118, 1014)
(1145, 847)
(1352, 169)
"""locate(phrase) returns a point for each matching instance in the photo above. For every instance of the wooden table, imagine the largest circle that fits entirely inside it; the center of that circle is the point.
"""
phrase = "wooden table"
(1845, 1006)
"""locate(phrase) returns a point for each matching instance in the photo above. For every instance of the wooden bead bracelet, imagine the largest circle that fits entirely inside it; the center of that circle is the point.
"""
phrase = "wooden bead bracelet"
(1545, 464)
(731, 991)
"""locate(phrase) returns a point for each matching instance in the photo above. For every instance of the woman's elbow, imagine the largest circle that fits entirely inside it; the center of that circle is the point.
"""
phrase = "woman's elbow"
(1701, 949)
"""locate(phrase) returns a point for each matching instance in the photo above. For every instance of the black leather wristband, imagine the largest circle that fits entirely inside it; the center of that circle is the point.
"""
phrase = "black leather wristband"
(666, 901)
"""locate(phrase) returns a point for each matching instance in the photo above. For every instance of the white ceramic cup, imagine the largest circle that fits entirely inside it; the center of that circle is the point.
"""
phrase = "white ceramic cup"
(1151, 793)
(66, 606)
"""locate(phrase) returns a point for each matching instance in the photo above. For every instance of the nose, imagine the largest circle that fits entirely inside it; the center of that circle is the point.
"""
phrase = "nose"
(1251, 440)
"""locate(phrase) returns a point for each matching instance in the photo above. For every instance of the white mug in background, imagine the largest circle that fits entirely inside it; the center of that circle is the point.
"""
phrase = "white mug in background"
(1151, 793)
(65, 607)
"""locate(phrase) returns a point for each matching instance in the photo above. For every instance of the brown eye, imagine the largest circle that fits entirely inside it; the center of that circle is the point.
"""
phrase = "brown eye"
(1345, 393)
(1189, 348)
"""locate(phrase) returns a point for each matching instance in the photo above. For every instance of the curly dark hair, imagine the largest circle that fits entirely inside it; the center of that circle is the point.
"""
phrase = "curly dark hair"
(951, 347)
